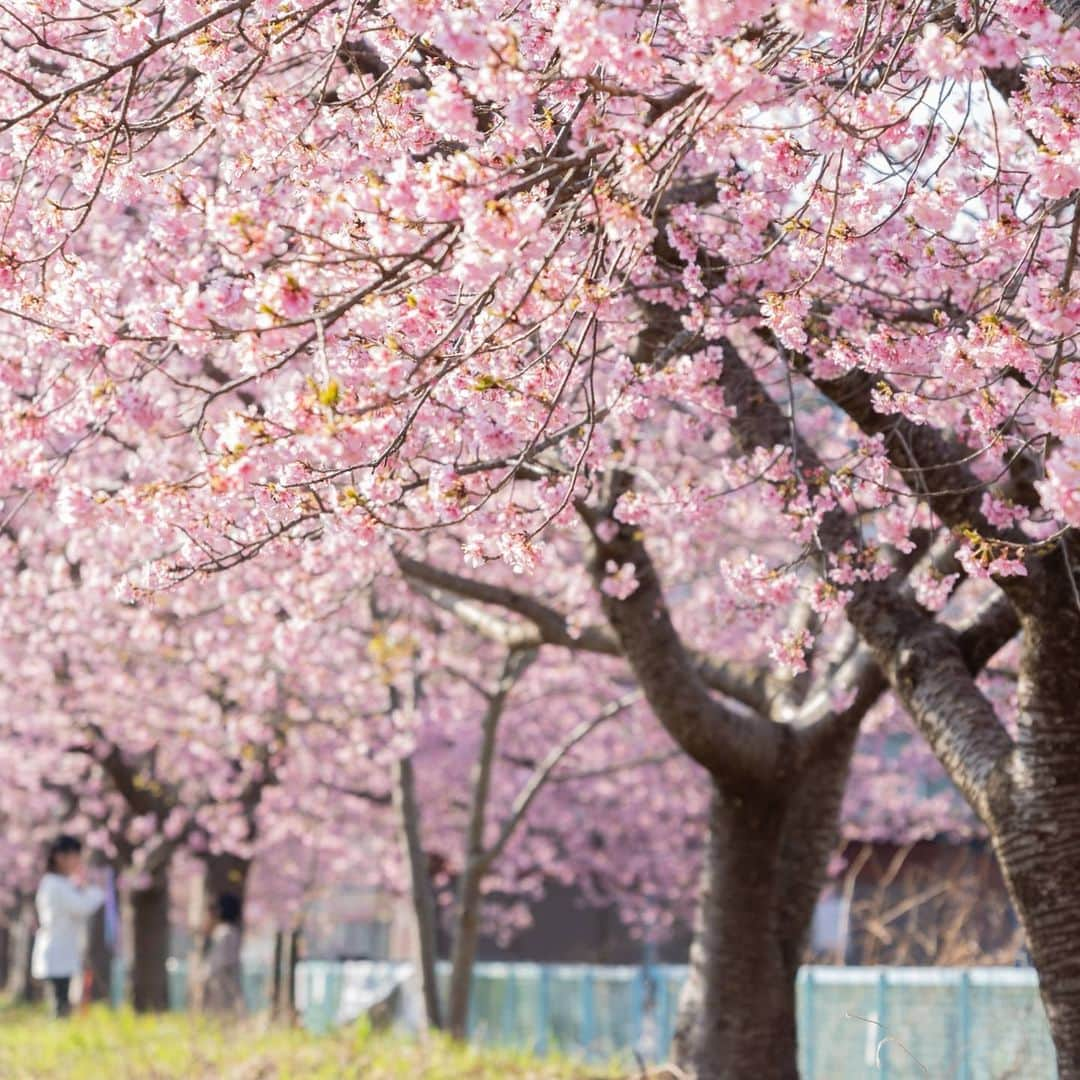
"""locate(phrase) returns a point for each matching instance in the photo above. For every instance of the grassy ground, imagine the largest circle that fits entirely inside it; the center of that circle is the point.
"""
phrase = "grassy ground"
(121, 1046)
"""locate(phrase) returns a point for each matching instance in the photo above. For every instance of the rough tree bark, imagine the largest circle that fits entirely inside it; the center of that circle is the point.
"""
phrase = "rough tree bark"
(1037, 819)
(765, 863)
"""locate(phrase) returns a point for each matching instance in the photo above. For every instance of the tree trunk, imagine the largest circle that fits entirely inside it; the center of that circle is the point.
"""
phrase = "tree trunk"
(423, 901)
(100, 951)
(1040, 869)
(463, 954)
(286, 957)
(477, 855)
(5, 954)
(1035, 813)
(276, 964)
(737, 1016)
(764, 868)
(20, 985)
(1036, 827)
(98, 958)
(147, 935)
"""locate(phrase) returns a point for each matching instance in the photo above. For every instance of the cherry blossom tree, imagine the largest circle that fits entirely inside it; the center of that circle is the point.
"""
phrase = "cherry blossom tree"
(161, 728)
(724, 323)
(489, 819)
(168, 734)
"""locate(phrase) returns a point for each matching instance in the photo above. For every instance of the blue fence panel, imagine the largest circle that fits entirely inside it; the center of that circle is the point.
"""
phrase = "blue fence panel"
(967, 1024)
(1009, 1035)
(855, 1023)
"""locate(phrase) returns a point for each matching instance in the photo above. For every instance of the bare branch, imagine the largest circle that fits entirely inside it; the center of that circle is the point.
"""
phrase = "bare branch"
(543, 772)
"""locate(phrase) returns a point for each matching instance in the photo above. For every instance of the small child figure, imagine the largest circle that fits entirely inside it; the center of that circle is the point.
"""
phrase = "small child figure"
(223, 987)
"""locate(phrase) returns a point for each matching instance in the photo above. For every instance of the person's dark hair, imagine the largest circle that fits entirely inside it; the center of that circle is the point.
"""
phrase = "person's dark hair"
(62, 845)
(228, 908)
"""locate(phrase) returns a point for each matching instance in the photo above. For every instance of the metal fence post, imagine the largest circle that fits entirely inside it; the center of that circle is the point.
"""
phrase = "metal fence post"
(543, 1020)
(334, 993)
(638, 994)
(880, 1053)
(965, 1026)
(808, 1035)
(662, 1007)
(588, 1019)
(507, 1018)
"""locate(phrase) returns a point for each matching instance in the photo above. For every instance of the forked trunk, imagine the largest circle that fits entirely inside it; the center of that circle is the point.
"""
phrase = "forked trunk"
(764, 868)
(466, 933)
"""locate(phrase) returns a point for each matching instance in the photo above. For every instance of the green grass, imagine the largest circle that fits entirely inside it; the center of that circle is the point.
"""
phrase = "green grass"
(106, 1045)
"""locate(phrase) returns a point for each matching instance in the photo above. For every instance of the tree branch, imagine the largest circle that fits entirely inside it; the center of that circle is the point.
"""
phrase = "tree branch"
(936, 469)
(548, 626)
(727, 743)
(925, 665)
(542, 774)
(988, 630)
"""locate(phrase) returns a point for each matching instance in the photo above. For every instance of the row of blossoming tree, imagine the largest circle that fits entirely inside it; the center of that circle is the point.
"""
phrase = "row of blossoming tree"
(225, 742)
(733, 342)
(291, 738)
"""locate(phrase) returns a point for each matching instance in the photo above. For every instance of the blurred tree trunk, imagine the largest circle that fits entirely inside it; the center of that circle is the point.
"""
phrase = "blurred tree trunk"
(423, 900)
(5, 953)
(100, 951)
(287, 946)
(19, 985)
(99, 958)
(146, 935)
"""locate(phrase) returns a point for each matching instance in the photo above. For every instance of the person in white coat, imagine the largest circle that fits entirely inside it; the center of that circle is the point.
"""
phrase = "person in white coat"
(64, 905)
